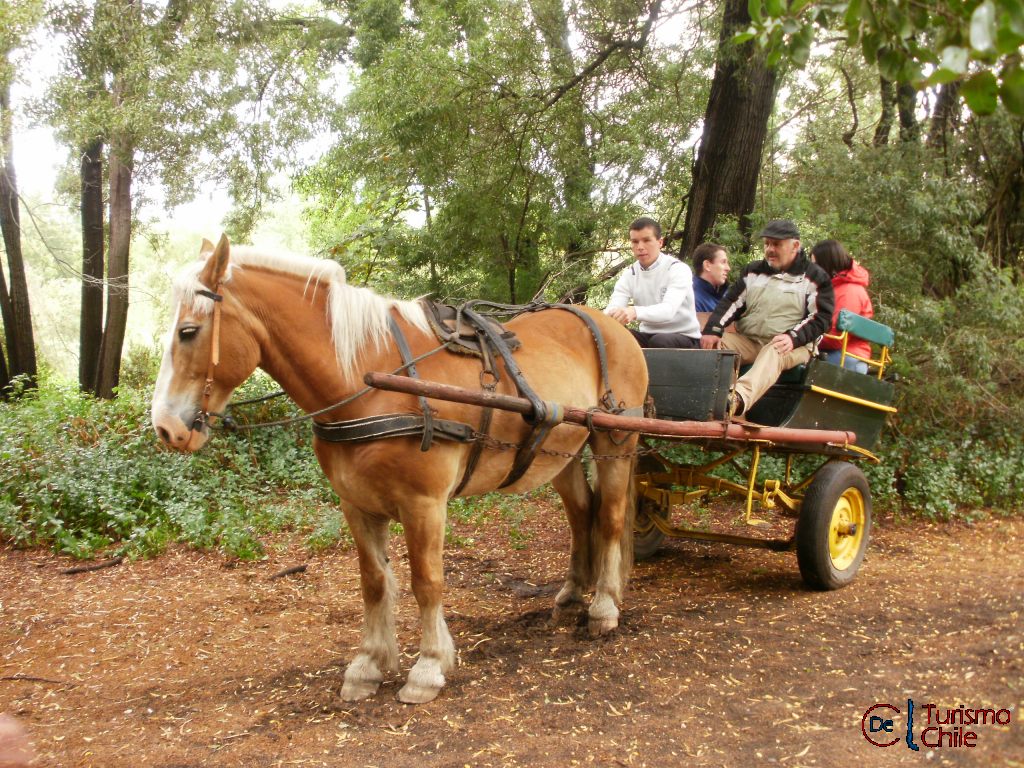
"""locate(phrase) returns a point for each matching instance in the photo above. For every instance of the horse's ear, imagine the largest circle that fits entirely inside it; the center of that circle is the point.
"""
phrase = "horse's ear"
(217, 264)
(205, 249)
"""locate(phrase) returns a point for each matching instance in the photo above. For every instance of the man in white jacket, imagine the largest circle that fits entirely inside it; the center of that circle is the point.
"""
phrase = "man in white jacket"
(660, 288)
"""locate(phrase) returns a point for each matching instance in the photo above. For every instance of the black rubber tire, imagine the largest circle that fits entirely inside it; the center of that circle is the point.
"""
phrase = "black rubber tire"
(838, 490)
(647, 544)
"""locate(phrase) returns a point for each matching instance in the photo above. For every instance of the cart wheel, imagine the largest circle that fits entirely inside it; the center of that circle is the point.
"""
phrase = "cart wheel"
(647, 538)
(834, 526)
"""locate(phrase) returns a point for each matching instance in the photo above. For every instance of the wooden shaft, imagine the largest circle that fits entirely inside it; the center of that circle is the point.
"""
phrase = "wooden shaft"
(583, 417)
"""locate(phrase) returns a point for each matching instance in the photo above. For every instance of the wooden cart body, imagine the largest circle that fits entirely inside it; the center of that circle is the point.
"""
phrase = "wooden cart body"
(830, 501)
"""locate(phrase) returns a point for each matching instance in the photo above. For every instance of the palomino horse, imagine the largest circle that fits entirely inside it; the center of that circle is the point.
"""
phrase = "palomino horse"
(298, 320)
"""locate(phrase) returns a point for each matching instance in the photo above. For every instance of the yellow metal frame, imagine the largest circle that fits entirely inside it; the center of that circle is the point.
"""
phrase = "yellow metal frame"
(852, 399)
(883, 359)
(772, 494)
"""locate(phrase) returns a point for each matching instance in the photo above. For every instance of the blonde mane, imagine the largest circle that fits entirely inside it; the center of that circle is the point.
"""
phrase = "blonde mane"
(359, 317)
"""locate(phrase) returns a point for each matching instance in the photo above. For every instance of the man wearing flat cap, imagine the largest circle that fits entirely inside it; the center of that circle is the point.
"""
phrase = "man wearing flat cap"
(780, 304)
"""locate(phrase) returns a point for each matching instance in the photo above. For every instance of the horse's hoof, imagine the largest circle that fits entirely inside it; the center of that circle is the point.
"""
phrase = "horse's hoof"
(425, 681)
(599, 627)
(417, 694)
(568, 594)
(362, 679)
(357, 690)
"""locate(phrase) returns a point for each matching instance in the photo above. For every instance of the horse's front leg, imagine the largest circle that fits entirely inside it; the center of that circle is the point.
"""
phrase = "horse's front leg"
(378, 651)
(424, 521)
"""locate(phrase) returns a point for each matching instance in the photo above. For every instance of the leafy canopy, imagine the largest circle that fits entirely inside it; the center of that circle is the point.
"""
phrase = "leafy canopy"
(926, 42)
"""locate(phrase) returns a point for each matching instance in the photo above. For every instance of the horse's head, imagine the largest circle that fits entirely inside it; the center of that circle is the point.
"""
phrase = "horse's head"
(208, 352)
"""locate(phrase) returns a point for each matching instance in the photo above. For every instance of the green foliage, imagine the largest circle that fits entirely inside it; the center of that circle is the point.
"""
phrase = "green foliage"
(928, 43)
(216, 92)
(86, 476)
(477, 155)
(943, 478)
(917, 228)
(17, 20)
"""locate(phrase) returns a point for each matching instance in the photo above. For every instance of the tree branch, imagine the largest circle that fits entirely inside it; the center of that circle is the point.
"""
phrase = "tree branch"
(604, 55)
(607, 274)
(848, 135)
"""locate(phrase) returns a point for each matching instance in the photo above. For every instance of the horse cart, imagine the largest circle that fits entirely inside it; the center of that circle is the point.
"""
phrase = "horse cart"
(390, 457)
(819, 421)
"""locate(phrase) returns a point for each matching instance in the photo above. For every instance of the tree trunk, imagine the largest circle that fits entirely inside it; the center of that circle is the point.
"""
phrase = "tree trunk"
(16, 313)
(117, 270)
(574, 156)
(906, 102)
(5, 375)
(91, 316)
(735, 127)
(6, 315)
(944, 116)
(887, 93)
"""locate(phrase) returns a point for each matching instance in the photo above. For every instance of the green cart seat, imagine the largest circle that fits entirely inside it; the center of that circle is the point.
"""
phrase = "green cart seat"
(867, 329)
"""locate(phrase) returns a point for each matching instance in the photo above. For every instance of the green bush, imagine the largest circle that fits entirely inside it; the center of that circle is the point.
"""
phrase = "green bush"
(88, 476)
(959, 338)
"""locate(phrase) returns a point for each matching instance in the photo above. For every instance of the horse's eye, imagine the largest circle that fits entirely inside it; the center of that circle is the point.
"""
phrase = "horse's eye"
(187, 332)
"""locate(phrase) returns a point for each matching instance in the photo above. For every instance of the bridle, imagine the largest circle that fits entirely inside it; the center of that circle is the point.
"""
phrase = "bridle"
(203, 416)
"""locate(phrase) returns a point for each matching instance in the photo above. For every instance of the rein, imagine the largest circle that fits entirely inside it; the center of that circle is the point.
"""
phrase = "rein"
(231, 426)
(204, 415)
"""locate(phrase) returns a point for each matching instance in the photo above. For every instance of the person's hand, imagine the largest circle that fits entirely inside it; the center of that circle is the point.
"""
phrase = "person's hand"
(710, 341)
(783, 343)
(624, 315)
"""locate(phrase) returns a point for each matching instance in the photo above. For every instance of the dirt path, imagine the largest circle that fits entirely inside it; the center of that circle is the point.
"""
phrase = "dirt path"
(723, 659)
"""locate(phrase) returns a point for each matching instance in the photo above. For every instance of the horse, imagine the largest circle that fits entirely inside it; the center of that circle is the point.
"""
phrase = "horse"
(297, 318)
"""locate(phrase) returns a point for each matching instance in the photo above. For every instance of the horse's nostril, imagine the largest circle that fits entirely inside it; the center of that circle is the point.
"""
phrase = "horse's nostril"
(164, 434)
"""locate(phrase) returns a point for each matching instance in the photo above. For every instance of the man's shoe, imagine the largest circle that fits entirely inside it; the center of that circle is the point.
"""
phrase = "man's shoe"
(735, 405)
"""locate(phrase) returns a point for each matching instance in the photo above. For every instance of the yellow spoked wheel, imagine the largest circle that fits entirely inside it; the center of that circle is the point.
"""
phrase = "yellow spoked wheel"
(834, 526)
(846, 532)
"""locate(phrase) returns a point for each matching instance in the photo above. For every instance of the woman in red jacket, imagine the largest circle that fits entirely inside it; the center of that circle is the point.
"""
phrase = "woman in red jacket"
(850, 283)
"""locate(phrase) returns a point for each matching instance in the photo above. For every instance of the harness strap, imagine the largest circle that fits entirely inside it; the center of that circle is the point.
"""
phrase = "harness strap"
(410, 366)
(553, 415)
(203, 417)
(540, 422)
(608, 399)
(489, 382)
(391, 425)
(543, 419)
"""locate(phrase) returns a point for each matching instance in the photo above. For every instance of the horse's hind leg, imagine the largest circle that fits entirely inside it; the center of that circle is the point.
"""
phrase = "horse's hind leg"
(378, 651)
(424, 522)
(612, 551)
(577, 498)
